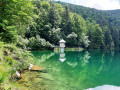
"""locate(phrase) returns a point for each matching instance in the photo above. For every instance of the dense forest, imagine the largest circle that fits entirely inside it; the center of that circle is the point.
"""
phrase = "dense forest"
(108, 20)
(39, 24)
(43, 23)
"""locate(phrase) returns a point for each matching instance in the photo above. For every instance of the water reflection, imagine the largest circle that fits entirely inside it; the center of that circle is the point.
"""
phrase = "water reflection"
(85, 58)
(42, 56)
(82, 70)
(62, 57)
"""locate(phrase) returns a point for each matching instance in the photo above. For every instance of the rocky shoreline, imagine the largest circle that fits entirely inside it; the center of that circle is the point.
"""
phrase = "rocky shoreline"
(35, 78)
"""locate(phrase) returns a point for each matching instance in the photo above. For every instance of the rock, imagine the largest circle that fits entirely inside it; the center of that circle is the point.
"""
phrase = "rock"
(21, 75)
(31, 65)
(17, 74)
(21, 81)
(38, 68)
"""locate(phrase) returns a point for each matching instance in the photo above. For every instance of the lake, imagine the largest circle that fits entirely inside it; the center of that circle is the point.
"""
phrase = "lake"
(85, 70)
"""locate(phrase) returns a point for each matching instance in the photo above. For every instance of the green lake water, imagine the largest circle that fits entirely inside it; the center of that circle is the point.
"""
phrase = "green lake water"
(85, 70)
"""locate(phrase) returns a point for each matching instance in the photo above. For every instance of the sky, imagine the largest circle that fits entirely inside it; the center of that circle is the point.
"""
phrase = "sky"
(98, 4)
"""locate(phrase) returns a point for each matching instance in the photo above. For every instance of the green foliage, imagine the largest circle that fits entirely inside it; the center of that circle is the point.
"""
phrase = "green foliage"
(9, 34)
(66, 21)
(45, 5)
(37, 43)
(98, 37)
(9, 60)
(54, 23)
(70, 38)
(3, 73)
(95, 34)
(12, 59)
(54, 17)
(22, 42)
(84, 41)
(2, 77)
(41, 24)
(55, 35)
(1, 51)
(108, 38)
(16, 57)
(107, 20)
(79, 24)
(14, 17)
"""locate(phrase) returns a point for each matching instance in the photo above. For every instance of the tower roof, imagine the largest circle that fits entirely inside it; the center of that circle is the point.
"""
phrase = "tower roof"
(62, 41)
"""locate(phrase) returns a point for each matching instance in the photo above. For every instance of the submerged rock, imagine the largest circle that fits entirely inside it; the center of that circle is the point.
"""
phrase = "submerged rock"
(38, 68)
(36, 79)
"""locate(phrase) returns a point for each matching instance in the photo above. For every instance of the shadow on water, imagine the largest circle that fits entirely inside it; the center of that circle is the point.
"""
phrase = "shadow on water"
(80, 70)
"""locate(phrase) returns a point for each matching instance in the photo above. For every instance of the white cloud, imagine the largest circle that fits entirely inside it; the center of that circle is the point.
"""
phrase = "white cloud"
(104, 5)
(72, 1)
(98, 4)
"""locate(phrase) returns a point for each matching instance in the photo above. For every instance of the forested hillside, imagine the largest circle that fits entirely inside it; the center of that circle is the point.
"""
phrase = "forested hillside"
(109, 21)
(54, 22)
(40, 24)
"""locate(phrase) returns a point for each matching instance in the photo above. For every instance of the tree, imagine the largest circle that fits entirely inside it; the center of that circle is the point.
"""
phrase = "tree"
(72, 39)
(79, 27)
(116, 38)
(108, 37)
(90, 31)
(84, 41)
(54, 17)
(14, 18)
(55, 35)
(98, 37)
(66, 22)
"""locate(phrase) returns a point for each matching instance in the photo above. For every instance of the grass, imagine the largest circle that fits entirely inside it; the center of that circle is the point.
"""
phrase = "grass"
(12, 59)
(3, 77)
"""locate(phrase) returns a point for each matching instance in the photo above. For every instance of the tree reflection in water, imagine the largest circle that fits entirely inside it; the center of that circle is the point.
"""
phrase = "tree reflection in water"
(83, 70)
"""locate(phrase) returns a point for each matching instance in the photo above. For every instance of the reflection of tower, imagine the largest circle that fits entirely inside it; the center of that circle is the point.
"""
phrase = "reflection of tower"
(62, 57)
(62, 45)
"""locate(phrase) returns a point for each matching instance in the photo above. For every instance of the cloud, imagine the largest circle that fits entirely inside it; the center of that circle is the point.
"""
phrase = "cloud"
(98, 4)
(104, 5)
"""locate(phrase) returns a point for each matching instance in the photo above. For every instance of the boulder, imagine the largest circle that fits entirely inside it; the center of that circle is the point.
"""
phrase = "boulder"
(38, 68)
(17, 74)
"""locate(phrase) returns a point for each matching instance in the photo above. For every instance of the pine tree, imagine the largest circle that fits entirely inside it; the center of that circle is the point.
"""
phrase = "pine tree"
(54, 17)
(67, 24)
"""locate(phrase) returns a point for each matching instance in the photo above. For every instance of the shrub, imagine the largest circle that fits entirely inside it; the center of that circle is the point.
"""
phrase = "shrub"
(22, 43)
(12, 59)
(3, 74)
(9, 34)
(18, 58)
(37, 43)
